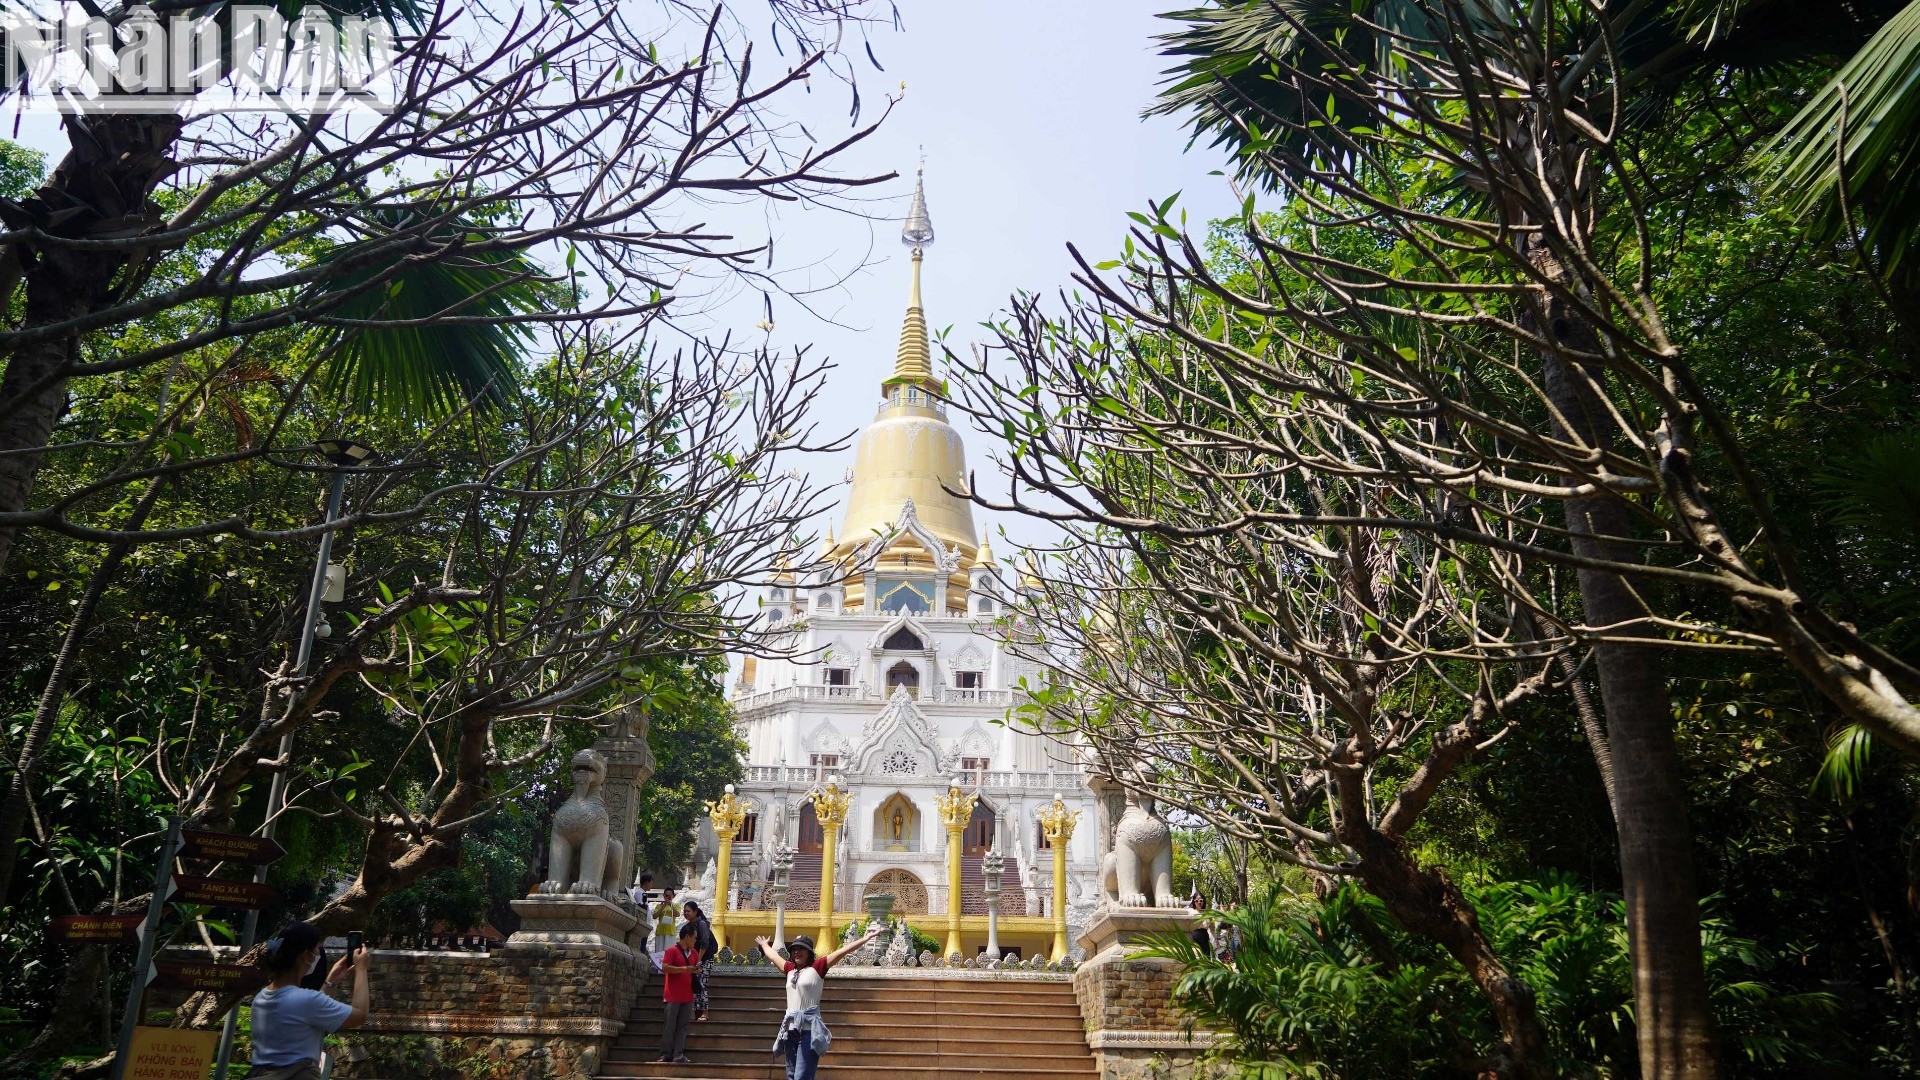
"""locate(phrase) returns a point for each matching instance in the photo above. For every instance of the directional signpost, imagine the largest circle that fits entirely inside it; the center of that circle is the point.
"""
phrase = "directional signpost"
(217, 892)
(229, 847)
(98, 929)
(170, 887)
(214, 978)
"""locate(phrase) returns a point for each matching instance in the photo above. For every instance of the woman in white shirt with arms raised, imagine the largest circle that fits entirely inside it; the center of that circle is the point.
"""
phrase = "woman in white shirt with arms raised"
(803, 1035)
(290, 1024)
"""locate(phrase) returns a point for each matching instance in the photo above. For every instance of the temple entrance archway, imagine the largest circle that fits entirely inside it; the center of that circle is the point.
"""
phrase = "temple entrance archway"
(980, 831)
(909, 892)
(812, 836)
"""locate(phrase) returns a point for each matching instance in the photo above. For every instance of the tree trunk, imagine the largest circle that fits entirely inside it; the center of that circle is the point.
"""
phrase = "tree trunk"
(1426, 903)
(1672, 1014)
(104, 184)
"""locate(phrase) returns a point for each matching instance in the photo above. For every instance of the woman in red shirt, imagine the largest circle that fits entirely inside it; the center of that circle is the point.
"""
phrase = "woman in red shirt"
(678, 965)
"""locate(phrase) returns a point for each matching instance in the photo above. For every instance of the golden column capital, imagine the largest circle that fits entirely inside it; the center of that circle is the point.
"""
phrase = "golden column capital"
(956, 807)
(1057, 821)
(727, 813)
(830, 804)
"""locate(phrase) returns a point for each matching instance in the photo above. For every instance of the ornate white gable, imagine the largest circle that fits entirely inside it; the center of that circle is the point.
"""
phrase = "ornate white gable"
(837, 653)
(908, 523)
(827, 739)
(976, 741)
(898, 741)
(969, 658)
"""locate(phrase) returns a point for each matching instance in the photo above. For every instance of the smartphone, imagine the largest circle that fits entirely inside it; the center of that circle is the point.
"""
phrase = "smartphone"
(354, 937)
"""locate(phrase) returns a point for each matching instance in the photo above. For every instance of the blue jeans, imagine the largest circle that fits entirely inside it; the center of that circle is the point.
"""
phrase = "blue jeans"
(802, 1058)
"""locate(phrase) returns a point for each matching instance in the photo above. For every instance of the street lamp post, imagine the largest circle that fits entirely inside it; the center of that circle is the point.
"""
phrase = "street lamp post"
(345, 454)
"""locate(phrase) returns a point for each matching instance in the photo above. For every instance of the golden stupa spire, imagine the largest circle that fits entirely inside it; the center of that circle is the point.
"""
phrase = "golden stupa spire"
(913, 361)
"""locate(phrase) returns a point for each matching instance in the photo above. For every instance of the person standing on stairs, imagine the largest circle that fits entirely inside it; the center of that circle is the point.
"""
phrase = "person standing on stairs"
(708, 947)
(803, 1035)
(678, 965)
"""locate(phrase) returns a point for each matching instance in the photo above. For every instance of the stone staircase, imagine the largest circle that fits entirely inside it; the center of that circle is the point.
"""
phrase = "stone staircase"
(884, 1028)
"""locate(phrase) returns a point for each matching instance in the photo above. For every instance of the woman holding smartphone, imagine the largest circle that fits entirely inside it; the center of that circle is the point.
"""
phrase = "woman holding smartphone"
(291, 1024)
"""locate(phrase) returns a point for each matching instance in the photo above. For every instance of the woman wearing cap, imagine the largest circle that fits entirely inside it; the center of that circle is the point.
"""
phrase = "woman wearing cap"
(291, 1024)
(803, 1035)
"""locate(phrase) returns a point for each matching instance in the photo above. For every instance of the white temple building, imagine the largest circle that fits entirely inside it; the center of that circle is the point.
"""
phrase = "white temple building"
(899, 692)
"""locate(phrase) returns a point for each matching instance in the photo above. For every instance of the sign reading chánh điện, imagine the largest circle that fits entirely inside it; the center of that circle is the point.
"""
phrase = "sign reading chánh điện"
(170, 1054)
(97, 929)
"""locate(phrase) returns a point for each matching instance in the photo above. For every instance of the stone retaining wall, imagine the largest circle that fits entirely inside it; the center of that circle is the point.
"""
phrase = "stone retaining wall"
(1126, 1001)
(509, 1013)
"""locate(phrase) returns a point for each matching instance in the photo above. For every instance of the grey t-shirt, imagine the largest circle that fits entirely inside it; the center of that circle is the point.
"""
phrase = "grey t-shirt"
(290, 1025)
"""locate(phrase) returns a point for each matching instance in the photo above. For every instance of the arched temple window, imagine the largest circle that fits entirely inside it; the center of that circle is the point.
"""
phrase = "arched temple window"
(904, 674)
(903, 640)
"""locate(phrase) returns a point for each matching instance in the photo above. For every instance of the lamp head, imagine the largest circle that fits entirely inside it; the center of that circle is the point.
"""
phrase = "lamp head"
(345, 452)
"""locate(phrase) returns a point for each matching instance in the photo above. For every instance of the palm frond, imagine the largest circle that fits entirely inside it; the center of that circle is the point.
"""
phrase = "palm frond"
(1850, 152)
(436, 333)
(1227, 81)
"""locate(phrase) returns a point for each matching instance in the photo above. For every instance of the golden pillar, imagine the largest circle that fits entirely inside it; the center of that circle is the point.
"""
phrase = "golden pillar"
(956, 810)
(1057, 822)
(726, 815)
(830, 807)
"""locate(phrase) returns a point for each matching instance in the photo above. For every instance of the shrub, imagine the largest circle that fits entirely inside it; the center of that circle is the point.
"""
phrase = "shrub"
(1333, 988)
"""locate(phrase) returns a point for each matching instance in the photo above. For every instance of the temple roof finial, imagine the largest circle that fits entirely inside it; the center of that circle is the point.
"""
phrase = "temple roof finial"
(918, 231)
(913, 362)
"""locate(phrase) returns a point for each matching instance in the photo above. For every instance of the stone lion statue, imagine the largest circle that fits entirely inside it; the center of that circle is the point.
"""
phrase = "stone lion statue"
(583, 859)
(1138, 872)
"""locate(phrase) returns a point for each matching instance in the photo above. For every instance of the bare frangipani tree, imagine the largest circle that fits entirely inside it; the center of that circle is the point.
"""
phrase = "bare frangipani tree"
(649, 488)
(539, 165)
(542, 171)
(1305, 689)
(1454, 309)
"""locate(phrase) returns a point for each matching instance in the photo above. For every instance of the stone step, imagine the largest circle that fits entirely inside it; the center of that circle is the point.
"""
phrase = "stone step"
(878, 1038)
(840, 1057)
(840, 1006)
(759, 1026)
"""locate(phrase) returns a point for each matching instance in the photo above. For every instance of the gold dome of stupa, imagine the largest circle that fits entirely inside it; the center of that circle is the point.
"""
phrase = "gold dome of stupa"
(910, 451)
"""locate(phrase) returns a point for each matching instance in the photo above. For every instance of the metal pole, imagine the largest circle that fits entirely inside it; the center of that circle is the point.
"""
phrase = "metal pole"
(277, 789)
(156, 907)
